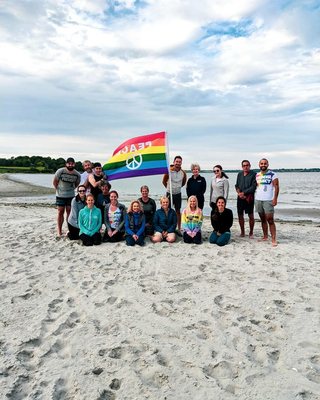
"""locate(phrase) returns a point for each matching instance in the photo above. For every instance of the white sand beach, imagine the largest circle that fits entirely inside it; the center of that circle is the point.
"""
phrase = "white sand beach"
(160, 322)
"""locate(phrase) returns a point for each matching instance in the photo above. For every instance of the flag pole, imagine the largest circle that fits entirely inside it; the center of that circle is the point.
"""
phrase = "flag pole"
(169, 169)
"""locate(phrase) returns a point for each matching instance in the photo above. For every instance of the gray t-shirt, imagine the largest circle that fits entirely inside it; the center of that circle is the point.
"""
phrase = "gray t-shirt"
(176, 182)
(68, 181)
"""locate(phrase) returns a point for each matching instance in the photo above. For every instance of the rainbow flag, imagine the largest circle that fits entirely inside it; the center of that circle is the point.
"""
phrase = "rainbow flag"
(139, 156)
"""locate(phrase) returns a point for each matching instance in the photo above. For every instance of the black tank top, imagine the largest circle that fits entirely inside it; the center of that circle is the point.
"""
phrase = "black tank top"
(96, 190)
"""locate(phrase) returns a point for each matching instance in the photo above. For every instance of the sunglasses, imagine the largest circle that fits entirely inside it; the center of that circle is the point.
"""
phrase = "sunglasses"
(216, 170)
(81, 191)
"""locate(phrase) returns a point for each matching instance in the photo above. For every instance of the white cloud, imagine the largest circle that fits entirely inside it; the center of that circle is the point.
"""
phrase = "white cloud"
(228, 70)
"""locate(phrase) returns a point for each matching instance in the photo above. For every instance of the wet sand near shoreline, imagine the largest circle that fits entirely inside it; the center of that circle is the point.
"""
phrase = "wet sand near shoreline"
(12, 188)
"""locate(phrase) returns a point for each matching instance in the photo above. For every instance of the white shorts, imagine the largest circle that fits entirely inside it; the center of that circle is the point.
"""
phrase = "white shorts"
(171, 236)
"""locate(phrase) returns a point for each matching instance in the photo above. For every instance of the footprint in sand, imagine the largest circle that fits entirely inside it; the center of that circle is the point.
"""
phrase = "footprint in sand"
(202, 267)
(71, 321)
(314, 374)
(115, 384)
(20, 388)
(106, 395)
(116, 353)
(161, 360)
(111, 300)
(280, 303)
(60, 390)
(251, 378)
(162, 309)
(180, 287)
(224, 373)
(306, 395)
(218, 300)
(273, 356)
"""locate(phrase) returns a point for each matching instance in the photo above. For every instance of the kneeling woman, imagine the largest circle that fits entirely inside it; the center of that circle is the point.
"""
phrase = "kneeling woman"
(90, 223)
(192, 221)
(135, 224)
(114, 217)
(164, 222)
(221, 221)
(77, 204)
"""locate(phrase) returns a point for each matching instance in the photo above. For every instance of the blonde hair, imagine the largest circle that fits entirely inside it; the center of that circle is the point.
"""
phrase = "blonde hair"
(130, 210)
(188, 208)
(164, 198)
(195, 165)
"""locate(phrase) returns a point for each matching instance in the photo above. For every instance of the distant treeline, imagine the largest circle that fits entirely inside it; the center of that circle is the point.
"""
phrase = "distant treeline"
(33, 164)
(273, 169)
(39, 164)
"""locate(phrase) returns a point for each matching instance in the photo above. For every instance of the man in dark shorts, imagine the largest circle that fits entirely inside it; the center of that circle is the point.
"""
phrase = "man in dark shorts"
(65, 180)
(245, 186)
(178, 179)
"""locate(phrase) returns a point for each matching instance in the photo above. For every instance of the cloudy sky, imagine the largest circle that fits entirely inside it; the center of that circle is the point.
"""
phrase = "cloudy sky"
(226, 79)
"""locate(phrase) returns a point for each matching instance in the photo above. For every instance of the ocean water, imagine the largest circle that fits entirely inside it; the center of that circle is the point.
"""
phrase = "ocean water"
(299, 198)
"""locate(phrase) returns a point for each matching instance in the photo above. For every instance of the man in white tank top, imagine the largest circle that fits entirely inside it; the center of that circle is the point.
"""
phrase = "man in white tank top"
(266, 198)
(178, 179)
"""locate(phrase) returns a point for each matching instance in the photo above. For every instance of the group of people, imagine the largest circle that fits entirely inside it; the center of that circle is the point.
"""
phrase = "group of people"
(96, 206)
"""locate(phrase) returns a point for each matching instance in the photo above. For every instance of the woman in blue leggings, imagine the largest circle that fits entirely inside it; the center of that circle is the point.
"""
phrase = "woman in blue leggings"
(221, 221)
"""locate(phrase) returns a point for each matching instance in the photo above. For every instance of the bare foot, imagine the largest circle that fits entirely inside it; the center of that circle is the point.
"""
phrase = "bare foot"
(274, 244)
(241, 235)
(251, 236)
(264, 239)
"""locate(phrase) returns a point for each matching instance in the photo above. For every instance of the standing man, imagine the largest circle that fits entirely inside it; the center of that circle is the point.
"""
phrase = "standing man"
(267, 198)
(245, 187)
(65, 180)
(178, 179)
(87, 170)
(95, 180)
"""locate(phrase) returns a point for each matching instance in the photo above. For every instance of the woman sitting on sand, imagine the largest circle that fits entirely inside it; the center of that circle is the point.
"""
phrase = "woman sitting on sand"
(191, 221)
(77, 204)
(165, 222)
(149, 208)
(90, 223)
(221, 221)
(135, 224)
(114, 217)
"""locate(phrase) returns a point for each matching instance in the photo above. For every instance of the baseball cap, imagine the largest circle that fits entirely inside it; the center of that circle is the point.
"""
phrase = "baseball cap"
(70, 159)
